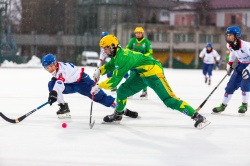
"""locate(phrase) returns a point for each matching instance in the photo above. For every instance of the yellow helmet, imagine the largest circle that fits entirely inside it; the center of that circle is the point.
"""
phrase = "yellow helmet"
(109, 41)
(139, 29)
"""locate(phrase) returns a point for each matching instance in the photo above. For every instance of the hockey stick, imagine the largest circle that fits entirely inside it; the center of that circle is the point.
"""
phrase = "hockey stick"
(22, 117)
(197, 109)
(90, 118)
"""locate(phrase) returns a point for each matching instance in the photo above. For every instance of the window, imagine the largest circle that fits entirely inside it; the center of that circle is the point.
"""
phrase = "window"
(157, 37)
(183, 38)
(204, 38)
(150, 36)
(177, 38)
(216, 38)
(190, 38)
(233, 19)
(164, 37)
(208, 20)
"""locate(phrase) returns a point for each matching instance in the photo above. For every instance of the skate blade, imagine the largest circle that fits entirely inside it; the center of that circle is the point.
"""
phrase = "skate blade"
(113, 92)
(241, 114)
(114, 122)
(138, 117)
(203, 124)
(144, 98)
(64, 116)
(214, 113)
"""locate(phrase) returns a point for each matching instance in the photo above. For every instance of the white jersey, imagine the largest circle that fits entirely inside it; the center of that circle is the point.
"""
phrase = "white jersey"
(243, 54)
(209, 58)
(66, 73)
(103, 57)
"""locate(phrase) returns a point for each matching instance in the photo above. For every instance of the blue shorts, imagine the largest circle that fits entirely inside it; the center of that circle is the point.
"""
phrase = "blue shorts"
(237, 81)
(84, 87)
(207, 69)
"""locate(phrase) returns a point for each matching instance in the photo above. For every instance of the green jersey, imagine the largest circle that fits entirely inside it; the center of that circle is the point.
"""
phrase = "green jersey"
(142, 46)
(126, 60)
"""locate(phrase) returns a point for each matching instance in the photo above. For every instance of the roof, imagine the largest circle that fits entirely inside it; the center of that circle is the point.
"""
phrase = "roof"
(229, 4)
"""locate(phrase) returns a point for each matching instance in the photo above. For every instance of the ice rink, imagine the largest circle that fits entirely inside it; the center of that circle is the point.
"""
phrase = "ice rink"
(162, 137)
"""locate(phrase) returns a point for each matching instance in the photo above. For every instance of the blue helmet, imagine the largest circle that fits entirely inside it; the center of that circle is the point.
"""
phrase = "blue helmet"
(209, 45)
(234, 30)
(48, 60)
(104, 34)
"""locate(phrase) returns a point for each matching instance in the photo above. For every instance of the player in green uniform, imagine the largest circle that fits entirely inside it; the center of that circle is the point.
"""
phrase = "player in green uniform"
(148, 72)
(140, 44)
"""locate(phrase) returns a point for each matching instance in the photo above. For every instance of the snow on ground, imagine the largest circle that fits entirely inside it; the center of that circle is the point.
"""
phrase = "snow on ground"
(162, 137)
(34, 62)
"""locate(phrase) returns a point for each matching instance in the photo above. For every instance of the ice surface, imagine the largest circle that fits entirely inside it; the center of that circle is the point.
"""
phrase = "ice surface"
(162, 137)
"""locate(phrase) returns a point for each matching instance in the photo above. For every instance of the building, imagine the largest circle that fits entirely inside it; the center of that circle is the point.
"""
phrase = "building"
(177, 30)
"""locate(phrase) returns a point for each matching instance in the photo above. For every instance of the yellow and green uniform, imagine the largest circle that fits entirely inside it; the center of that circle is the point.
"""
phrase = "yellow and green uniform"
(143, 46)
(147, 72)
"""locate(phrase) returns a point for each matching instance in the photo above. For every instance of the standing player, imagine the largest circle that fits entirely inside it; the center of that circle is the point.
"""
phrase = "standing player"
(148, 72)
(239, 49)
(140, 44)
(104, 58)
(209, 56)
(68, 78)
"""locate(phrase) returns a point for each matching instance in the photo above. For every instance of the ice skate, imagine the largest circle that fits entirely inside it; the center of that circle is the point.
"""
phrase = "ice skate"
(209, 82)
(219, 109)
(205, 80)
(131, 114)
(64, 111)
(200, 121)
(115, 117)
(242, 109)
(144, 94)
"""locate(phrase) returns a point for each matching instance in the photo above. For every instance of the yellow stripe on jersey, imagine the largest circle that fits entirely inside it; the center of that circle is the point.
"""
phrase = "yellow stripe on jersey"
(115, 72)
(102, 69)
(166, 85)
(150, 70)
(183, 104)
(105, 84)
(123, 101)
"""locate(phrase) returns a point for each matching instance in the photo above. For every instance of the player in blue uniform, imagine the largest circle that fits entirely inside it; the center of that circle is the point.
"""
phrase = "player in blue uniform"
(239, 49)
(209, 56)
(67, 79)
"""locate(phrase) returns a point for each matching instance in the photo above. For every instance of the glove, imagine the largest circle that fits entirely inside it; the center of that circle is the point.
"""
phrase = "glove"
(246, 72)
(99, 63)
(52, 97)
(95, 89)
(96, 75)
(229, 68)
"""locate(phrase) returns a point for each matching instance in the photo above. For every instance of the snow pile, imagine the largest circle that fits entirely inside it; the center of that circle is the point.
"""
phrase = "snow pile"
(34, 62)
